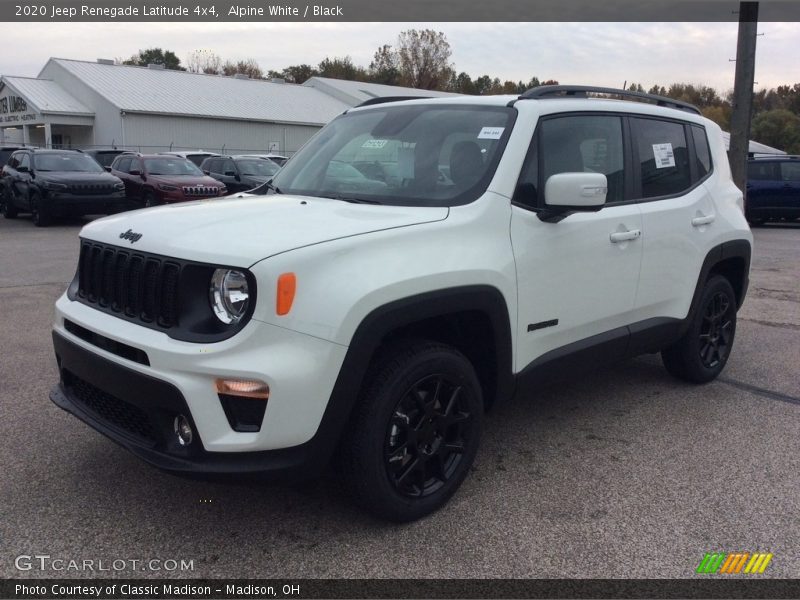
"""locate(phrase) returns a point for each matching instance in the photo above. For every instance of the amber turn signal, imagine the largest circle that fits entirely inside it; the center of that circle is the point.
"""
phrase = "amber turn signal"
(287, 285)
(246, 388)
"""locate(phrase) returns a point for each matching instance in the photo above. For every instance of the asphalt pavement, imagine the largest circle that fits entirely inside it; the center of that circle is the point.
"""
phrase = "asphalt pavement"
(625, 473)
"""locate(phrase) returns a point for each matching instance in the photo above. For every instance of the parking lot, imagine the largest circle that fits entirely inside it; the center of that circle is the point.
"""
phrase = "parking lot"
(625, 473)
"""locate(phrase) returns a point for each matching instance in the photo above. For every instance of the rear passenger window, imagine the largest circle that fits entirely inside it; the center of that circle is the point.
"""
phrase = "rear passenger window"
(790, 171)
(762, 171)
(663, 157)
(702, 151)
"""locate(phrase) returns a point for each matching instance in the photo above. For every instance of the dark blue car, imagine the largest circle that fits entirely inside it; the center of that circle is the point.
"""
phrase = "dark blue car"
(773, 189)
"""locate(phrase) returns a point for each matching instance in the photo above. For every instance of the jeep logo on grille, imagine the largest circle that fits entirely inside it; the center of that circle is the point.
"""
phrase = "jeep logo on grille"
(130, 235)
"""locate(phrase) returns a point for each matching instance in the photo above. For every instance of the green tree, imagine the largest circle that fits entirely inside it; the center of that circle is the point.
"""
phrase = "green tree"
(155, 56)
(341, 68)
(385, 66)
(247, 67)
(778, 128)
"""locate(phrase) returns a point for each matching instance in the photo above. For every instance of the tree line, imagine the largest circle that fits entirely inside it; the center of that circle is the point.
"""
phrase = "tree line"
(422, 59)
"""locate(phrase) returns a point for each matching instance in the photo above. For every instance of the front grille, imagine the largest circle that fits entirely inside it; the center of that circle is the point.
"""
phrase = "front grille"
(200, 190)
(134, 284)
(91, 189)
(110, 409)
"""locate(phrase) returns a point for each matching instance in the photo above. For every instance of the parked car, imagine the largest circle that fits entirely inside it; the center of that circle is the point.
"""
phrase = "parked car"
(52, 183)
(6, 152)
(773, 189)
(197, 156)
(104, 157)
(240, 173)
(153, 179)
(374, 324)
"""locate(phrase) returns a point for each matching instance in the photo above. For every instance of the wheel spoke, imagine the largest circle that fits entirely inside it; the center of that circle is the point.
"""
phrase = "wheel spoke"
(410, 468)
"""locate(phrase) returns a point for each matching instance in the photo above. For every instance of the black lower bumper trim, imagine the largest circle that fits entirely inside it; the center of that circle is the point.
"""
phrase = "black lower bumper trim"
(160, 402)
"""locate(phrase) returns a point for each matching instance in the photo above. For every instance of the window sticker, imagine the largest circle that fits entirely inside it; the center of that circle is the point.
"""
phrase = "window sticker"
(491, 133)
(663, 155)
(375, 144)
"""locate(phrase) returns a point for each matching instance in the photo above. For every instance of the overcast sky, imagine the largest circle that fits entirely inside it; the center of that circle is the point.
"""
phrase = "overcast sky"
(589, 53)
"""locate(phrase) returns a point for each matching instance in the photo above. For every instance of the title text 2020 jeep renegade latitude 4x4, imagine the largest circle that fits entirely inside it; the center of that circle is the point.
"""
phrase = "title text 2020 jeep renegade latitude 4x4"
(417, 260)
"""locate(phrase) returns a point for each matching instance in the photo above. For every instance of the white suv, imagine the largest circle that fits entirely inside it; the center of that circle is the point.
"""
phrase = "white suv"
(416, 262)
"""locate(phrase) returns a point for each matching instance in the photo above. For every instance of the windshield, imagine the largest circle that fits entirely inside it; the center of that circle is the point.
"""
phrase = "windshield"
(79, 163)
(419, 155)
(171, 166)
(260, 167)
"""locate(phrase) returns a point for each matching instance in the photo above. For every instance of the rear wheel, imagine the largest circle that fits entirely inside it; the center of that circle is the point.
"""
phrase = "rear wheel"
(414, 433)
(703, 351)
(6, 206)
(40, 213)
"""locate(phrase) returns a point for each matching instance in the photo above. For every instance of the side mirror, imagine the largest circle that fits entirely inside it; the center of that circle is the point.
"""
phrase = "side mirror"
(230, 173)
(108, 169)
(135, 173)
(22, 169)
(207, 172)
(576, 191)
(566, 193)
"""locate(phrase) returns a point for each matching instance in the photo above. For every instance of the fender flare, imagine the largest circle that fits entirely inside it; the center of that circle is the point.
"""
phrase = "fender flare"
(387, 318)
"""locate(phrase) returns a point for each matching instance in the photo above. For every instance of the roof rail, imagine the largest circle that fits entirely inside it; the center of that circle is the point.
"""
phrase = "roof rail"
(582, 91)
(384, 99)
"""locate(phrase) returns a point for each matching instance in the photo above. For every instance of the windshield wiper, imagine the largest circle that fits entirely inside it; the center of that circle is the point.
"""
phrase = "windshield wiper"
(271, 186)
(349, 199)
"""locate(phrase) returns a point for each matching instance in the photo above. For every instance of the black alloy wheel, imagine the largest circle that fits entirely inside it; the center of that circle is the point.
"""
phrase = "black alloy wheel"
(426, 436)
(40, 215)
(716, 330)
(6, 205)
(701, 354)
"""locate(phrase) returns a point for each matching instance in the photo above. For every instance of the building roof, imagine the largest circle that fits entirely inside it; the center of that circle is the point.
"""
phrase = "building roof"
(753, 147)
(45, 96)
(356, 92)
(146, 90)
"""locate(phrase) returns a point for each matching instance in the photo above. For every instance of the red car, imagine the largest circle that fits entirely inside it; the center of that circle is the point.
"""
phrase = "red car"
(154, 179)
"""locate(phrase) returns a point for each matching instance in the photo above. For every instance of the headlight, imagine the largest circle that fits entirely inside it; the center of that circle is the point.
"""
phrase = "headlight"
(53, 187)
(167, 188)
(229, 295)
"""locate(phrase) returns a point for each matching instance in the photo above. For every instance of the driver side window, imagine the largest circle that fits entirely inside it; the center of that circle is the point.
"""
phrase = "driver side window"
(573, 144)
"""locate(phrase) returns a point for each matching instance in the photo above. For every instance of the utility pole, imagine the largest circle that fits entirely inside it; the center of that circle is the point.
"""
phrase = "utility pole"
(743, 92)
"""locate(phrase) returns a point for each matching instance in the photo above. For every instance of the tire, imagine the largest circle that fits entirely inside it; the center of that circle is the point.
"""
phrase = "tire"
(6, 207)
(414, 433)
(40, 213)
(701, 354)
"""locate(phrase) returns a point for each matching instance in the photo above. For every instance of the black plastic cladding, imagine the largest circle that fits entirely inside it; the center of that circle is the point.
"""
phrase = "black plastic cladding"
(161, 293)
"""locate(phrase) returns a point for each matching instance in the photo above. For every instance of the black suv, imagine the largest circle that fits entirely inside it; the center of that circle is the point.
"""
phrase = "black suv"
(240, 173)
(50, 183)
(773, 189)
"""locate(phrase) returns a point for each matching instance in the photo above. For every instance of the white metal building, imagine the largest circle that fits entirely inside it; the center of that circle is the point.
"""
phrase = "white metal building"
(99, 104)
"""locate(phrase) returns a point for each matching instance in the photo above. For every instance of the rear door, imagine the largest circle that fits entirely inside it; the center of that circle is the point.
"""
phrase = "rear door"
(764, 187)
(672, 162)
(790, 191)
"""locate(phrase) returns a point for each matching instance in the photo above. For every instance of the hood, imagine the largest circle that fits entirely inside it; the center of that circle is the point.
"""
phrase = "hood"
(242, 231)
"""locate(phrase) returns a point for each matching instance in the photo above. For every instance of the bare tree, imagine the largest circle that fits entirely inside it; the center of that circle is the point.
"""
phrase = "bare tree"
(247, 67)
(423, 58)
(204, 61)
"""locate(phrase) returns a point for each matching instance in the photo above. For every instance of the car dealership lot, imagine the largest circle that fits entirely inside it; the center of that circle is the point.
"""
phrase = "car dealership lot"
(622, 473)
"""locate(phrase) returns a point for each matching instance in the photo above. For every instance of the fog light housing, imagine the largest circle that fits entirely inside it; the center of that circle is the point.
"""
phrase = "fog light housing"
(183, 430)
(244, 402)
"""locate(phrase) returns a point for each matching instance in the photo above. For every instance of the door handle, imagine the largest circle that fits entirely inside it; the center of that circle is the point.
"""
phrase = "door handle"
(624, 236)
(700, 221)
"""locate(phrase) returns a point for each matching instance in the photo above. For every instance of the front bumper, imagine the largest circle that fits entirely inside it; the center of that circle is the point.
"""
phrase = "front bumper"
(137, 411)
(71, 204)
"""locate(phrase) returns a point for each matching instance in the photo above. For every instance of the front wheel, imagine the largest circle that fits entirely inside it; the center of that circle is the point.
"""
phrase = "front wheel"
(701, 354)
(7, 204)
(414, 433)
(40, 212)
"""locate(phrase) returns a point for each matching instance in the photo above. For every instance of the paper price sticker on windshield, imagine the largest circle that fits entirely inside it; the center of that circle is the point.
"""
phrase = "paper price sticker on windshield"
(663, 155)
(374, 144)
(491, 133)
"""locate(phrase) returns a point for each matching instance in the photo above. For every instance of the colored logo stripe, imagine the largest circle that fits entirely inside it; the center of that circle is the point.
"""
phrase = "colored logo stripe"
(734, 562)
